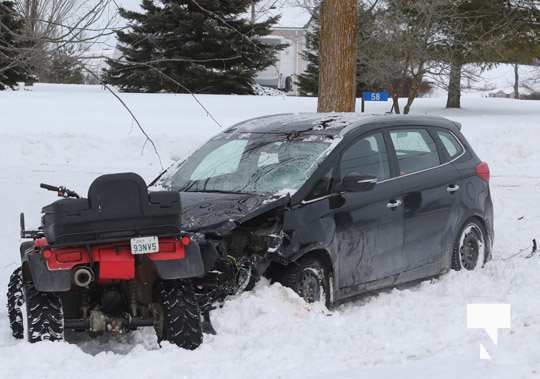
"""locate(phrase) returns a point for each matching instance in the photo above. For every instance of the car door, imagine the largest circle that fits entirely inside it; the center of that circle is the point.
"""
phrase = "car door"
(370, 224)
(429, 185)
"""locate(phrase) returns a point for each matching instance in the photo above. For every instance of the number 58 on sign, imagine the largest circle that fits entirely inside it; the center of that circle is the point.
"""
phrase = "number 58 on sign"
(373, 96)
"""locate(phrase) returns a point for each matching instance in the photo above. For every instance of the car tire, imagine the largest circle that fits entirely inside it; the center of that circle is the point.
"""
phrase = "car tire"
(44, 314)
(309, 278)
(470, 247)
(181, 320)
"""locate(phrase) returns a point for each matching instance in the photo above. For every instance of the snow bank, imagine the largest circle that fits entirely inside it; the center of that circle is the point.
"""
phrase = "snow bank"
(69, 135)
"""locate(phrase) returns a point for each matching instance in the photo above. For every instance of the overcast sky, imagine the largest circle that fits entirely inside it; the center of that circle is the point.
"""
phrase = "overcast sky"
(291, 15)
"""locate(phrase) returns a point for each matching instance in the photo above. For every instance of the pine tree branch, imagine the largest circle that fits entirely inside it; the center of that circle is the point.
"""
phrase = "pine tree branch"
(224, 22)
(194, 60)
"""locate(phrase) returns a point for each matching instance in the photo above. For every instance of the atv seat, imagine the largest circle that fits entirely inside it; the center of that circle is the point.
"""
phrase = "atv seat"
(118, 206)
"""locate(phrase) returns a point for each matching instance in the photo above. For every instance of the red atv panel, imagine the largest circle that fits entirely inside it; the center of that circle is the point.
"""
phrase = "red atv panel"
(115, 259)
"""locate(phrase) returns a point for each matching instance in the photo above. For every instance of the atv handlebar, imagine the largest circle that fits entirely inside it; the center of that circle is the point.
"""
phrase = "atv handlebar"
(61, 191)
(49, 187)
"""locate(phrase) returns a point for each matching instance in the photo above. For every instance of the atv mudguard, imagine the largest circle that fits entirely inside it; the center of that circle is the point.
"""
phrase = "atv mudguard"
(35, 269)
(45, 280)
(189, 267)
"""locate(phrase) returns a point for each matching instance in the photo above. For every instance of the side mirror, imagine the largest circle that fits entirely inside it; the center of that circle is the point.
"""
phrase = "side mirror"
(358, 183)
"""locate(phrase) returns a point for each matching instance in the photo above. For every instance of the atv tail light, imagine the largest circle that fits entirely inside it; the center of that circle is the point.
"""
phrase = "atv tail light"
(185, 240)
(47, 254)
(482, 171)
(69, 256)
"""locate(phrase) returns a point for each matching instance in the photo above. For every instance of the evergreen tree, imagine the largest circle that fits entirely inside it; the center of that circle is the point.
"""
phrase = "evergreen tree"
(206, 46)
(12, 61)
(65, 69)
(63, 66)
(308, 81)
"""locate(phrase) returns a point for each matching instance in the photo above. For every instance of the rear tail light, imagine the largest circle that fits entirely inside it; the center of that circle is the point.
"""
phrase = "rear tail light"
(185, 240)
(482, 171)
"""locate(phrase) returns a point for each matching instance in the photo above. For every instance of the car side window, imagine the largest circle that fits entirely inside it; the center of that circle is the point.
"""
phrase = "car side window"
(367, 156)
(415, 150)
(322, 187)
(451, 145)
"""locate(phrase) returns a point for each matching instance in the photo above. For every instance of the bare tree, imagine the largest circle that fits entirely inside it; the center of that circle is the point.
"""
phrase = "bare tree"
(338, 54)
(397, 52)
(487, 32)
(53, 27)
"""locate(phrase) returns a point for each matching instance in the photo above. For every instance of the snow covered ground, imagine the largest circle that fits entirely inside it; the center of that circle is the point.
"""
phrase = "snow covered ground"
(70, 134)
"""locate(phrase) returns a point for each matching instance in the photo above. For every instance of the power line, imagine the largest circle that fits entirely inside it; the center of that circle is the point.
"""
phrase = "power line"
(148, 138)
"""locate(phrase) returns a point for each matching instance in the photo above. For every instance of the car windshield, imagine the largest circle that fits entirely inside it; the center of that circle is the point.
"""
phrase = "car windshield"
(251, 163)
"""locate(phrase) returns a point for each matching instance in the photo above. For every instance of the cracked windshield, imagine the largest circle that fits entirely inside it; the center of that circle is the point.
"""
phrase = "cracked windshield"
(254, 163)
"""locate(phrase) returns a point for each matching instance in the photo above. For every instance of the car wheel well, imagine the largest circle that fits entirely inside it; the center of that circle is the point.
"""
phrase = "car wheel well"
(292, 275)
(454, 264)
(322, 256)
(275, 269)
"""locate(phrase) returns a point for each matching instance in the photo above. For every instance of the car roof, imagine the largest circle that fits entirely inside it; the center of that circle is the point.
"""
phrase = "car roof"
(334, 123)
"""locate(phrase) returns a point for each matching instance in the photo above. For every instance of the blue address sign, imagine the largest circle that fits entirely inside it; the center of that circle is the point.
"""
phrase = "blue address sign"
(375, 96)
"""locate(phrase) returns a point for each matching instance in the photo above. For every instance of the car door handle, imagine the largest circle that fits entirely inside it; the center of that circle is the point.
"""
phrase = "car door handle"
(452, 188)
(393, 204)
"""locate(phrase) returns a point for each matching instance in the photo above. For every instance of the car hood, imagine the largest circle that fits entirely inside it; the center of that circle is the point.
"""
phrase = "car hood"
(222, 212)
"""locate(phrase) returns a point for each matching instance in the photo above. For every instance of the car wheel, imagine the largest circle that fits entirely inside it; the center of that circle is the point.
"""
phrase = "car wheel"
(469, 251)
(309, 278)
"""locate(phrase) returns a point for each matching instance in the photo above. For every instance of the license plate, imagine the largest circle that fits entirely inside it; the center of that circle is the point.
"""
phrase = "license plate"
(144, 245)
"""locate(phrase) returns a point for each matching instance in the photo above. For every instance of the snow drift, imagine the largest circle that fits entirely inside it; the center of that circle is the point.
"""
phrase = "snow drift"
(69, 135)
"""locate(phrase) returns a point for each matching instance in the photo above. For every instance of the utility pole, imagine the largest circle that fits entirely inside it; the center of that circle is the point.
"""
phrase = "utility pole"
(31, 10)
(516, 81)
(253, 12)
(338, 54)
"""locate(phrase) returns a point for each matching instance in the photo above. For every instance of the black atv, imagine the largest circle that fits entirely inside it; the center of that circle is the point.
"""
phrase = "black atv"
(109, 263)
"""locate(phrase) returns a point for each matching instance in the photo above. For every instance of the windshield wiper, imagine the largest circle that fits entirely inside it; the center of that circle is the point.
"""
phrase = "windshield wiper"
(161, 175)
(221, 191)
(158, 177)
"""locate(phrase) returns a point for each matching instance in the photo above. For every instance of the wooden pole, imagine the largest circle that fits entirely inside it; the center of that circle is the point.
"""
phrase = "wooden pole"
(338, 54)
(516, 81)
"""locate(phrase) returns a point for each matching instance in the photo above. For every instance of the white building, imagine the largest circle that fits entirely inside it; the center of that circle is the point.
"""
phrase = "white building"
(291, 30)
(290, 61)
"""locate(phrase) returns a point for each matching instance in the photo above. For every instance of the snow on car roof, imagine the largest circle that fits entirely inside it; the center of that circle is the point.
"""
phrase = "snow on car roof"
(331, 123)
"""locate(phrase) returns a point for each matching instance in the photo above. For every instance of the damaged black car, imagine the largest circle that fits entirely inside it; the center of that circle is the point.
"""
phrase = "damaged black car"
(329, 205)
(335, 205)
